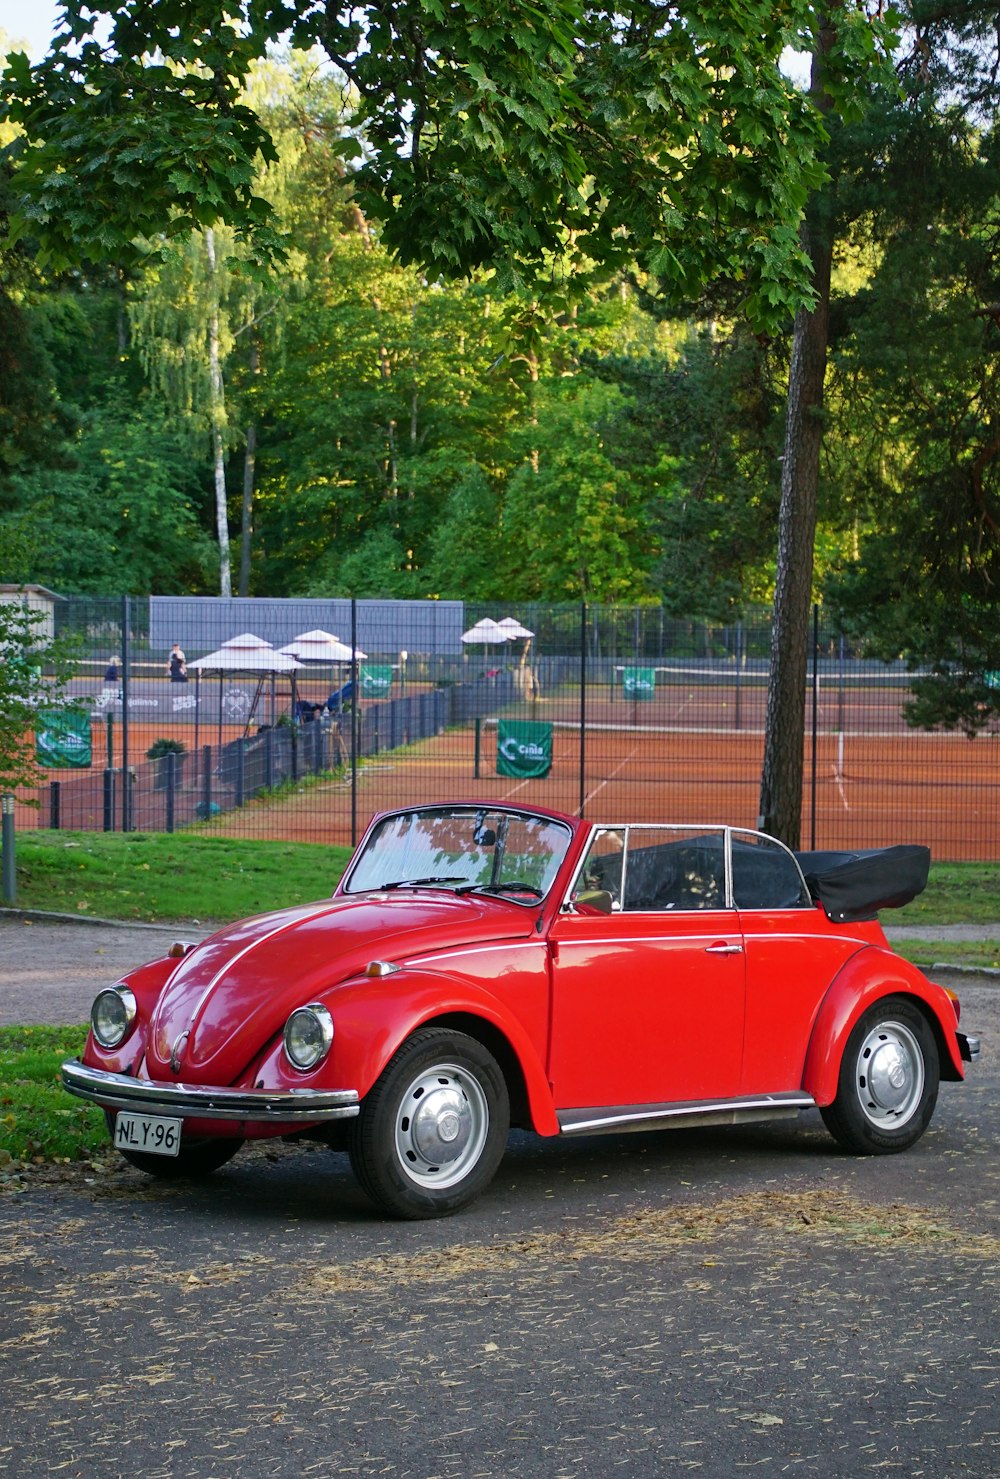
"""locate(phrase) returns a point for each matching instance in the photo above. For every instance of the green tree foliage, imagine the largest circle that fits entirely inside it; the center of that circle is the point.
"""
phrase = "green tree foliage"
(699, 431)
(575, 519)
(33, 672)
(917, 368)
(514, 137)
(122, 517)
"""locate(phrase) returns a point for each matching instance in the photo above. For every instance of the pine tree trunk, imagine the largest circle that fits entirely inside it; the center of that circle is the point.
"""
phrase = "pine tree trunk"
(782, 775)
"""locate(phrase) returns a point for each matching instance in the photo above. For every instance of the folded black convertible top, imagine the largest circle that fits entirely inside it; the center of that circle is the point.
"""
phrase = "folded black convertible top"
(856, 885)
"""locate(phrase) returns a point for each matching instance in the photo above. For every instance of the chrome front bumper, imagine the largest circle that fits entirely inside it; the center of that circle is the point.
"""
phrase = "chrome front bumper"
(968, 1047)
(283, 1106)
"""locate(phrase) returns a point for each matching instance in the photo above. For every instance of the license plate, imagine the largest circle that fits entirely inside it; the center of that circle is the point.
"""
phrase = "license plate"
(150, 1133)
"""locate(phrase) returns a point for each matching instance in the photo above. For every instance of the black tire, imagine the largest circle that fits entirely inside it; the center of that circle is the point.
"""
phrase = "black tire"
(195, 1158)
(433, 1128)
(889, 1078)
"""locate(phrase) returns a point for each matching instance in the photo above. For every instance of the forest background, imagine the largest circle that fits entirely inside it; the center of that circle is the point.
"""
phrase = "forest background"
(363, 426)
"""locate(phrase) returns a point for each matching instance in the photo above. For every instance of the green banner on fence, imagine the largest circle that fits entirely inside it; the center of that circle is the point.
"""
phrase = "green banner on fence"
(376, 681)
(639, 683)
(62, 739)
(524, 748)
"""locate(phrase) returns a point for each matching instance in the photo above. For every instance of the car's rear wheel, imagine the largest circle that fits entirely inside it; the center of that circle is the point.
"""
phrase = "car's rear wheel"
(432, 1130)
(195, 1158)
(889, 1078)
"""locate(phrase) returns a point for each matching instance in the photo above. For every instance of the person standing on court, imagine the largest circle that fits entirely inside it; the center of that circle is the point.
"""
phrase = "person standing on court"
(177, 665)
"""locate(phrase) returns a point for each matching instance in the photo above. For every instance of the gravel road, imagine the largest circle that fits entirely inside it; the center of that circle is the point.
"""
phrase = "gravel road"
(709, 1302)
(50, 971)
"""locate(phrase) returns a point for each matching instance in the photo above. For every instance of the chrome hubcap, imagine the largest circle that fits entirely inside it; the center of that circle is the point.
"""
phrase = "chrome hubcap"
(441, 1126)
(890, 1074)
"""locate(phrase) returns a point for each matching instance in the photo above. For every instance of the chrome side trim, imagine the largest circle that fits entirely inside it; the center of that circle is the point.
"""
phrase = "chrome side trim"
(684, 1114)
(283, 1106)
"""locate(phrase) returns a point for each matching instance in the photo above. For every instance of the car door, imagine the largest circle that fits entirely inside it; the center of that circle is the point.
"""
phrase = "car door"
(648, 979)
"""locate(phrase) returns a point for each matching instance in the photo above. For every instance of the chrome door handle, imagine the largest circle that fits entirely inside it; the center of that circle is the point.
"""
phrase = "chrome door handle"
(722, 949)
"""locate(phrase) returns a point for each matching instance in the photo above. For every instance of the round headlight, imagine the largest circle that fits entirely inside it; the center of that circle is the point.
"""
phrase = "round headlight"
(112, 1015)
(308, 1035)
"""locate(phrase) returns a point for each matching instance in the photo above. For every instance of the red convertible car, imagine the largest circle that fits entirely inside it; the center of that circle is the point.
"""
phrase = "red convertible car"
(486, 965)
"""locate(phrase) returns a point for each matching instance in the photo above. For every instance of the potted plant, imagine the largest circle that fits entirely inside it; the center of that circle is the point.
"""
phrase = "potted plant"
(157, 750)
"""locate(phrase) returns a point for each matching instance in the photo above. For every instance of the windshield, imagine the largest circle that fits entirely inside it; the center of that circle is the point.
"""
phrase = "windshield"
(463, 849)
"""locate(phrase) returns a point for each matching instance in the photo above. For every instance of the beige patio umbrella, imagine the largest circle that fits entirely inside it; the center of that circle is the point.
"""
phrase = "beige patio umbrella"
(247, 654)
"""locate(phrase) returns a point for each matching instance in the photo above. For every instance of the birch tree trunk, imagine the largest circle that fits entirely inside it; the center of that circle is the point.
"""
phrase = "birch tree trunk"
(217, 411)
(249, 477)
(781, 783)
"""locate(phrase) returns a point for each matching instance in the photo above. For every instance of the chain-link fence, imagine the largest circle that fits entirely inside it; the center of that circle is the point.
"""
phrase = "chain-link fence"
(300, 718)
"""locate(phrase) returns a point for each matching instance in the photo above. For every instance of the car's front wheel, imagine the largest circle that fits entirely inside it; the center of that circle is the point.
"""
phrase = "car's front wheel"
(433, 1128)
(888, 1084)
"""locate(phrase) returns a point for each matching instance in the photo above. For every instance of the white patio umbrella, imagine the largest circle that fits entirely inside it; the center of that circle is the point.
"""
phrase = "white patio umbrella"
(246, 653)
(525, 676)
(513, 627)
(487, 633)
(320, 646)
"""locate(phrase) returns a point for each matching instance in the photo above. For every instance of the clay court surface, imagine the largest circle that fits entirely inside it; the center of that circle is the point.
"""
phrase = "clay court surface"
(941, 791)
(692, 756)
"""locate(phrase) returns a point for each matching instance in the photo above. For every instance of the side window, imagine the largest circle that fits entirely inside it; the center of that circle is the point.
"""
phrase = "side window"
(599, 882)
(765, 875)
(675, 868)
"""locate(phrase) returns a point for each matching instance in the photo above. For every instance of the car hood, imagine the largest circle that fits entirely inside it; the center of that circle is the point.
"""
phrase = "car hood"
(232, 993)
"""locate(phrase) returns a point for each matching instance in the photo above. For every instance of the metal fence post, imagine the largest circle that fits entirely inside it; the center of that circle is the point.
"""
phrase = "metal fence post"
(206, 782)
(55, 802)
(7, 842)
(354, 722)
(583, 700)
(169, 763)
(126, 677)
(109, 799)
(815, 719)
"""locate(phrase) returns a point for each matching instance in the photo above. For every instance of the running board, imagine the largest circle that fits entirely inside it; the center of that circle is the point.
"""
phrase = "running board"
(683, 1115)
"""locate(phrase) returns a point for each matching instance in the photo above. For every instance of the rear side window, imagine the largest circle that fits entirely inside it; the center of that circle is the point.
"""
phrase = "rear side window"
(765, 875)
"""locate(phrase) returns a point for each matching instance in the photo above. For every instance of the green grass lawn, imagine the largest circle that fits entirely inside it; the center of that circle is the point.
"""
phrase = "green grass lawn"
(39, 1122)
(956, 893)
(160, 878)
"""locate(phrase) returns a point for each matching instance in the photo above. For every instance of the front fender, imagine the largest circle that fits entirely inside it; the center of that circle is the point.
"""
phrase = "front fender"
(146, 984)
(872, 973)
(373, 1017)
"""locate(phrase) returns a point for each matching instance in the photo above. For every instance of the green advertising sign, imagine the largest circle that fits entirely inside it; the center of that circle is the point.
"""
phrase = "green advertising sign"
(376, 681)
(639, 683)
(62, 739)
(524, 748)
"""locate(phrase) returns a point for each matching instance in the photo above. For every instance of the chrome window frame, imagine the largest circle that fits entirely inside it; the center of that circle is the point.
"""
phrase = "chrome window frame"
(715, 828)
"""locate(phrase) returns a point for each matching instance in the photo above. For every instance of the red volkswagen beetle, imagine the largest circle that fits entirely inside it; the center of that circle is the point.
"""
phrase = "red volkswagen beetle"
(487, 965)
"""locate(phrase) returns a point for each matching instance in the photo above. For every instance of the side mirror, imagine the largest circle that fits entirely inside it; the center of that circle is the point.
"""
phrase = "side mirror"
(594, 901)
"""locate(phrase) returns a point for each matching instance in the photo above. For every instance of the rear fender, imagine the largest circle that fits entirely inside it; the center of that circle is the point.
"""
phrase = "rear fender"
(373, 1017)
(867, 977)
